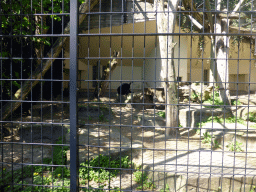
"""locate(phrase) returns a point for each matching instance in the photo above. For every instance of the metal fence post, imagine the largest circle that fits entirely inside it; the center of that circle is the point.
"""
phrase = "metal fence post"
(74, 186)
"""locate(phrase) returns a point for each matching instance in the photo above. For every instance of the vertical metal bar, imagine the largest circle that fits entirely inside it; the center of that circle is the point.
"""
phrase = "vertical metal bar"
(74, 186)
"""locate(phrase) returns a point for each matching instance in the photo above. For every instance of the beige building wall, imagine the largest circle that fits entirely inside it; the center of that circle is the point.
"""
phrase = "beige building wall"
(239, 63)
(99, 50)
(140, 54)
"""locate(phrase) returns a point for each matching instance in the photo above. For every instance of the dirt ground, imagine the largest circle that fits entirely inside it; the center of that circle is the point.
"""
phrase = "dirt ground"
(154, 149)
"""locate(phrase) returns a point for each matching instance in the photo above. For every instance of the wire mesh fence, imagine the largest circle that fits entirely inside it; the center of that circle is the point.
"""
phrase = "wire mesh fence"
(110, 95)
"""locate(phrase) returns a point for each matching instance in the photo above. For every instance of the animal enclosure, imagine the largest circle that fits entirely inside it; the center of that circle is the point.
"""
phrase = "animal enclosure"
(121, 95)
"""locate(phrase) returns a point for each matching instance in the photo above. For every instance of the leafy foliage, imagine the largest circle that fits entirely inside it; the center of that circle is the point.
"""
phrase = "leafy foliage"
(166, 189)
(236, 102)
(252, 116)
(216, 119)
(235, 146)
(102, 168)
(22, 19)
(19, 15)
(161, 114)
(142, 179)
(216, 144)
(215, 101)
(40, 174)
(98, 169)
(207, 138)
(194, 96)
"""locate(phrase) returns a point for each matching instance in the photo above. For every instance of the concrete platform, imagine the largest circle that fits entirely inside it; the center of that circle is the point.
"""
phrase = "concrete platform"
(204, 169)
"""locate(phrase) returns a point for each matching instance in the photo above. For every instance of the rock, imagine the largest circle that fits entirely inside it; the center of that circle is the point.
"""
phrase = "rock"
(157, 94)
(207, 92)
(194, 92)
(187, 92)
(146, 100)
(181, 84)
(184, 91)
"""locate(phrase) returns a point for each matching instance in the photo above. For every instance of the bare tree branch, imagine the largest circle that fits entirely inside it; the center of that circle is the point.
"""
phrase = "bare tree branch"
(237, 6)
(101, 87)
(233, 15)
(209, 15)
(190, 5)
(199, 26)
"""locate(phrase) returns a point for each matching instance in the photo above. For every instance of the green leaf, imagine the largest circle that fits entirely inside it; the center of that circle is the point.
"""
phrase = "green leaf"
(16, 84)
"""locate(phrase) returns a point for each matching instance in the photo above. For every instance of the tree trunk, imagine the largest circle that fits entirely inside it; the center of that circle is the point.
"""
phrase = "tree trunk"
(222, 51)
(101, 87)
(213, 68)
(166, 24)
(39, 72)
(219, 59)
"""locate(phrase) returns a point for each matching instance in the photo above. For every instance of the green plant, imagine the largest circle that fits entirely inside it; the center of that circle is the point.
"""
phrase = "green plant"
(142, 179)
(252, 116)
(194, 96)
(101, 118)
(60, 175)
(59, 153)
(185, 100)
(236, 102)
(167, 188)
(235, 147)
(97, 169)
(207, 138)
(17, 16)
(253, 189)
(161, 114)
(197, 131)
(215, 100)
(234, 120)
(100, 189)
(216, 144)
(39, 174)
(216, 119)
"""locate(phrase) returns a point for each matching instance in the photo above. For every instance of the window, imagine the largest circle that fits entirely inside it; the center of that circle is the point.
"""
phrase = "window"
(206, 77)
(96, 75)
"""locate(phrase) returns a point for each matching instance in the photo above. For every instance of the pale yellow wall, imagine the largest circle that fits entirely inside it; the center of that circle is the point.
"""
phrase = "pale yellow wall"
(134, 48)
(239, 61)
(129, 47)
(235, 82)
